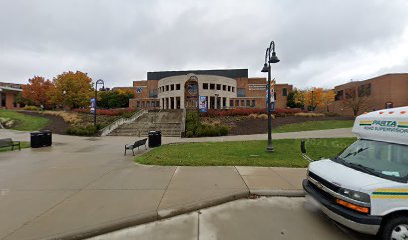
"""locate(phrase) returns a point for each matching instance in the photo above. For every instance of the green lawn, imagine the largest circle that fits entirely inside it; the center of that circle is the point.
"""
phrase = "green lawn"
(314, 125)
(247, 153)
(23, 145)
(24, 122)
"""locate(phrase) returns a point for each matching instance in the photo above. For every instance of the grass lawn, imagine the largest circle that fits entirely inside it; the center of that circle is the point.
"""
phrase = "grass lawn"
(23, 145)
(24, 122)
(247, 153)
(314, 125)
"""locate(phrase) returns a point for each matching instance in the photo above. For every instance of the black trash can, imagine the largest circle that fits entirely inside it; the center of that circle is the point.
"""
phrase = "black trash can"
(36, 139)
(154, 139)
(47, 138)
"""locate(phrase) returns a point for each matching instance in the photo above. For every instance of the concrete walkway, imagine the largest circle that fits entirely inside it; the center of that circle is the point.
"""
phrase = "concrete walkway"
(84, 186)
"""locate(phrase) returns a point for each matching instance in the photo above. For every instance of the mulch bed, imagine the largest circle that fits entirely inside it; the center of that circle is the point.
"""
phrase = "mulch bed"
(56, 125)
(246, 126)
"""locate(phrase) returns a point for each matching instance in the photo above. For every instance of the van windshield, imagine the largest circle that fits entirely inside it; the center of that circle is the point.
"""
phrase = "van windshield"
(386, 160)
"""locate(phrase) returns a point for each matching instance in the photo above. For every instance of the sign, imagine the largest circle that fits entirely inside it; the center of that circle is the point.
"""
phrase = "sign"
(93, 105)
(139, 89)
(256, 87)
(203, 104)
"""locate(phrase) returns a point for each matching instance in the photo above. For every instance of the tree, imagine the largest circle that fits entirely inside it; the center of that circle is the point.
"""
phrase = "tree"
(295, 99)
(72, 90)
(313, 98)
(356, 103)
(38, 91)
(328, 98)
(114, 99)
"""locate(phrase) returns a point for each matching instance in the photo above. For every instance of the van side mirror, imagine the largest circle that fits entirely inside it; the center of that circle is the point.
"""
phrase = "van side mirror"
(303, 146)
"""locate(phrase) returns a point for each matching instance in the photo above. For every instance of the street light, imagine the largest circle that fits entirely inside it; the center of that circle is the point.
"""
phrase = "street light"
(270, 57)
(100, 81)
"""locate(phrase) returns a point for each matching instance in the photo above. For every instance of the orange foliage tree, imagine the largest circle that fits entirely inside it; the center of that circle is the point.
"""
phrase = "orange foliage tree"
(72, 90)
(313, 98)
(38, 91)
(328, 98)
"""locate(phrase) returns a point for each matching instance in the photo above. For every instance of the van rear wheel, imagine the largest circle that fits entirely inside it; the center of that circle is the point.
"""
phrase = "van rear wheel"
(396, 229)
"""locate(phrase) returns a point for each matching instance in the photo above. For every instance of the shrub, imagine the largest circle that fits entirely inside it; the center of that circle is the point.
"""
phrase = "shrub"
(331, 114)
(265, 116)
(69, 117)
(32, 108)
(248, 111)
(309, 115)
(109, 112)
(89, 130)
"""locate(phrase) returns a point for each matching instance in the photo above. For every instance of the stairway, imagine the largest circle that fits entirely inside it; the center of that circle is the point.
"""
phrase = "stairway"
(166, 121)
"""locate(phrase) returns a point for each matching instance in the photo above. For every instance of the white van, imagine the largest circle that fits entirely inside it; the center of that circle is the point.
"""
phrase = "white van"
(365, 187)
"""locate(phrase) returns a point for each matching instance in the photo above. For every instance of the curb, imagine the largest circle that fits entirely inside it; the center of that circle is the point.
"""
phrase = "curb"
(278, 193)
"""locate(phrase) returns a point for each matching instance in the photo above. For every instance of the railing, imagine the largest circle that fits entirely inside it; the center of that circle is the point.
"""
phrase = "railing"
(108, 129)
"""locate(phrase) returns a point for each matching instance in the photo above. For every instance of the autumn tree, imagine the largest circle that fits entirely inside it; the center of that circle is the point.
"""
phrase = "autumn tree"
(327, 98)
(38, 91)
(313, 98)
(72, 90)
(115, 99)
(296, 99)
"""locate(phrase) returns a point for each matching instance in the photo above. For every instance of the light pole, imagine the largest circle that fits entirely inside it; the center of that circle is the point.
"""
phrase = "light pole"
(270, 57)
(100, 81)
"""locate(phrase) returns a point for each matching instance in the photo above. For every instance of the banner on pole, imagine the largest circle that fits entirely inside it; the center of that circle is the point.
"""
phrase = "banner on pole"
(203, 104)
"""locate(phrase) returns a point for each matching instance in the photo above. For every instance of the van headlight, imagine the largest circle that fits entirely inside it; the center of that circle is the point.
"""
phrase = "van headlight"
(359, 196)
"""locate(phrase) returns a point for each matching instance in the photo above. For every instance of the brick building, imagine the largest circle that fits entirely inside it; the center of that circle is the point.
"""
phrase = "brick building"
(223, 89)
(386, 91)
(8, 94)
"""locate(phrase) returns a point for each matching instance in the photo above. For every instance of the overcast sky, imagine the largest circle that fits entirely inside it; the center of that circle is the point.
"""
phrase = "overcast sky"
(320, 42)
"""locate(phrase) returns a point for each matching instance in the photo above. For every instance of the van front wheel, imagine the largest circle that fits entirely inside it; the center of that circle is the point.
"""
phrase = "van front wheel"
(396, 229)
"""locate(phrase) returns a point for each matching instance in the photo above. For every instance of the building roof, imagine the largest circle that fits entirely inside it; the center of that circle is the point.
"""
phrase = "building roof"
(10, 89)
(230, 73)
(373, 79)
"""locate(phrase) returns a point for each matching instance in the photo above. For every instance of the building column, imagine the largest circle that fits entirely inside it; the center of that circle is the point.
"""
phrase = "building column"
(175, 102)
(227, 102)
(215, 102)
(182, 102)
(221, 102)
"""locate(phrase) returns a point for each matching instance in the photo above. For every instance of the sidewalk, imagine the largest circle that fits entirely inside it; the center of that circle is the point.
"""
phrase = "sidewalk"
(84, 186)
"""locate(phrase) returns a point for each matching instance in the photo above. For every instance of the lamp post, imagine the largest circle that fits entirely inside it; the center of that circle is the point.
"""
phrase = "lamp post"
(100, 81)
(270, 57)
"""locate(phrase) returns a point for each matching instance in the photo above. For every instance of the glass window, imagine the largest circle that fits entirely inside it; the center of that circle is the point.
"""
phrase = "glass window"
(172, 87)
(178, 86)
(248, 103)
(138, 104)
(143, 104)
(285, 92)
(157, 103)
(224, 87)
(153, 93)
(241, 92)
(233, 89)
(229, 88)
(386, 160)
(242, 103)
(167, 87)
(212, 86)
(231, 103)
(350, 93)
(147, 104)
(218, 86)
(205, 85)
(339, 95)
(153, 103)
(364, 90)
(236, 103)
(253, 103)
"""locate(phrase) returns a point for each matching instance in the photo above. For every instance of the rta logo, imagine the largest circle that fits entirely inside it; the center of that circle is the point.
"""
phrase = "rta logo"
(385, 123)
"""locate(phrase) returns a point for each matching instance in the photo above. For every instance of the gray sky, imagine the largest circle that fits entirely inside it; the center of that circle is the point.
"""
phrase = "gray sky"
(320, 42)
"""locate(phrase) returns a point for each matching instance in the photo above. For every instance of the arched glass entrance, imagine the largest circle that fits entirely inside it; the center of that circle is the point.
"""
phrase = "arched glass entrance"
(191, 93)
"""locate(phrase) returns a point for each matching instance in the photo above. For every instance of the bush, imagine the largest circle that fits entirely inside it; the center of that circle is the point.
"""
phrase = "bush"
(126, 112)
(32, 108)
(69, 117)
(89, 130)
(204, 129)
(309, 115)
(249, 111)
(331, 114)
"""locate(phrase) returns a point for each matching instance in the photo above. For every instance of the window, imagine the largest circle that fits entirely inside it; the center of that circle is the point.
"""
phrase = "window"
(274, 95)
(229, 88)
(236, 103)
(212, 86)
(364, 90)
(231, 103)
(233, 89)
(241, 92)
(153, 93)
(178, 86)
(350, 93)
(172, 87)
(153, 103)
(248, 103)
(339, 95)
(253, 103)
(218, 86)
(143, 104)
(167, 87)
(224, 87)
(242, 103)
(157, 103)
(285, 92)
(138, 104)
(147, 104)
(205, 85)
